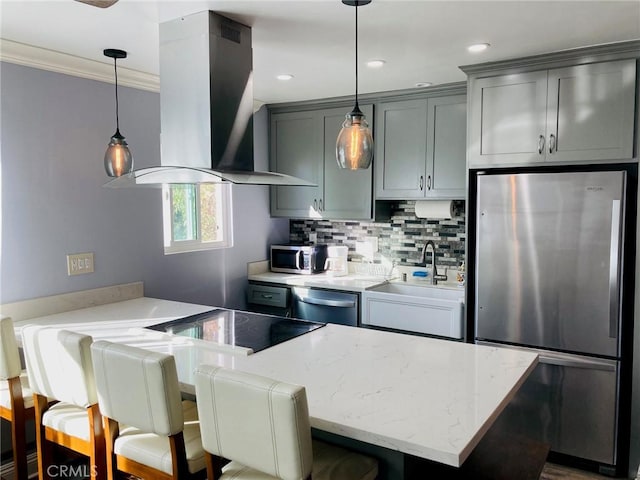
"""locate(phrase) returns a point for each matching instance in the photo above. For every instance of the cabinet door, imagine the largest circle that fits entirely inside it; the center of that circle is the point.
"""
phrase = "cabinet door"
(401, 149)
(590, 112)
(296, 149)
(348, 194)
(447, 147)
(507, 116)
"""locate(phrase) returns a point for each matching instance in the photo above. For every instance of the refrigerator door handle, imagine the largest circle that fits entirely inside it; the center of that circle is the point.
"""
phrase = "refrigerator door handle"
(559, 358)
(614, 282)
(592, 364)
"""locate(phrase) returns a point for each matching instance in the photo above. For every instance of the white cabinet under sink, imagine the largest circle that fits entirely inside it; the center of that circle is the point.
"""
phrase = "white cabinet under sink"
(418, 309)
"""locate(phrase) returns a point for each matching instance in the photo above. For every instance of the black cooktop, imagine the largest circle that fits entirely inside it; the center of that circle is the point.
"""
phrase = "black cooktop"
(234, 327)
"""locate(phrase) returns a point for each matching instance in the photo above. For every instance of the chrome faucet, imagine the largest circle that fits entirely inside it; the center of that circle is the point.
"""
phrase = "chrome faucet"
(434, 269)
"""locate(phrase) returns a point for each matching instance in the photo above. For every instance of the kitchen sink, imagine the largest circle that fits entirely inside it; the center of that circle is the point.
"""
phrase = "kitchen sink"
(424, 309)
(426, 291)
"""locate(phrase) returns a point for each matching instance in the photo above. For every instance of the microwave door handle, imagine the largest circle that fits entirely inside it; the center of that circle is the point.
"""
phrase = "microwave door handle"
(614, 257)
(299, 260)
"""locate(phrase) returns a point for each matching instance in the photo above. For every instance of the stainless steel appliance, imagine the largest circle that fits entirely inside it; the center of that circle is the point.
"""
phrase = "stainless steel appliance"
(304, 259)
(326, 306)
(548, 260)
(206, 103)
(234, 327)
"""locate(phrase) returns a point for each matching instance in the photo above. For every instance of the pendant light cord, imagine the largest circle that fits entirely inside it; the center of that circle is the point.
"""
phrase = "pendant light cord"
(115, 69)
(356, 55)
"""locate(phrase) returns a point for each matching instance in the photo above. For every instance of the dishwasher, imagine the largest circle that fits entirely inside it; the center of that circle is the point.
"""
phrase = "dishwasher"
(326, 306)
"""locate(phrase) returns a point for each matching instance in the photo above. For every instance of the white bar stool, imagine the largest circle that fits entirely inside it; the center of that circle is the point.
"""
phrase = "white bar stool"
(59, 367)
(16, 398)
(139, 388)
(262, 426)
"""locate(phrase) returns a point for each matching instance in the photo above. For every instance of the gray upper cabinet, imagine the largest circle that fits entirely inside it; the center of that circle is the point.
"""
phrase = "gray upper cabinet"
(348, 194)
(447, 147)
(421, 148)
(401, 149)
(303, 144)
(295, 141)
(575, 114)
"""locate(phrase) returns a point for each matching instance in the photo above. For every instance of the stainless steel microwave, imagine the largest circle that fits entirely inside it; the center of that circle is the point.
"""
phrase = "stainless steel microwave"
(304, 259)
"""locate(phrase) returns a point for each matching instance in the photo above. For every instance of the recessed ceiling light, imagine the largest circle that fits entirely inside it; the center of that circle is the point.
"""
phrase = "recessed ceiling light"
(284, 76)
(375, 63)
(478, 47)
(423, 84)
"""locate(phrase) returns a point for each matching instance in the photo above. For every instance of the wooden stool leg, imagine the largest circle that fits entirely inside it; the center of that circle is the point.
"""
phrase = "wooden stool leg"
(111, 432)
(98, 457)
(18, 436)
(45, 454)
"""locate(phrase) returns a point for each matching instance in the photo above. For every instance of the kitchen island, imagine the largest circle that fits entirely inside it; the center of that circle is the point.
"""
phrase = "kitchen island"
(424, 397)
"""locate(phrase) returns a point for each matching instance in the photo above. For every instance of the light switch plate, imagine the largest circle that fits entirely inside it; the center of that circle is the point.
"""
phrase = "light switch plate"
(79, 263)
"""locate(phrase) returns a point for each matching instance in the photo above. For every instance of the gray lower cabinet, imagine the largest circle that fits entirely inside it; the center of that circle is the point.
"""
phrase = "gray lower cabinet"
(269, 299)
(421, 148)
(303, 144)
(573, 114)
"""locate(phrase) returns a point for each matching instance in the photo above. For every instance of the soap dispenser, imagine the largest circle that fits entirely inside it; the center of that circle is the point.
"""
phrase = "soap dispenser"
(461, 275)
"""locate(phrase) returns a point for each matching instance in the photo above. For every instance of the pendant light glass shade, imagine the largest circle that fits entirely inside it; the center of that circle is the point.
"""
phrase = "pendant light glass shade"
(354, 146)
(117, 159)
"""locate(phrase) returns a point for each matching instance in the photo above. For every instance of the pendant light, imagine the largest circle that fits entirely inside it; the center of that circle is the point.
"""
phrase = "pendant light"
(117, 159)
(354, 147)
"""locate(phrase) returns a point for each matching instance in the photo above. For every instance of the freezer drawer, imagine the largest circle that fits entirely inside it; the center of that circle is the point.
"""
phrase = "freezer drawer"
(569, 401)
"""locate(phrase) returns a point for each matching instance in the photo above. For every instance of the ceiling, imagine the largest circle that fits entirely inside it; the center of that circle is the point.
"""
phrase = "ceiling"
(420, 40)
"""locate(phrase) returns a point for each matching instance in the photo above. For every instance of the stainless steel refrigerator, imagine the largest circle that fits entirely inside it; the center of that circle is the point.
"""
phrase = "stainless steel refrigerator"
(548, 276)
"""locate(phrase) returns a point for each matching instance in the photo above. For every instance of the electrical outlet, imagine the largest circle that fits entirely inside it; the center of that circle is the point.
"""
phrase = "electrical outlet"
(79, 263)
(313, 237)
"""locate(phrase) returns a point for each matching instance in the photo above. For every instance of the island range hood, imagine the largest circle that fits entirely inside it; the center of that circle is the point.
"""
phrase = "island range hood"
(206, 103)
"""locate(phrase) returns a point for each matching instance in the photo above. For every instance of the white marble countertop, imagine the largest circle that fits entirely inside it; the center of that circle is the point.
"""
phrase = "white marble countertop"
(426, 397)
(351, 282)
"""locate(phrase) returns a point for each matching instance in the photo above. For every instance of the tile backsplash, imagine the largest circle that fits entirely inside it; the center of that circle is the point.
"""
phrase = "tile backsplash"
(400, 239)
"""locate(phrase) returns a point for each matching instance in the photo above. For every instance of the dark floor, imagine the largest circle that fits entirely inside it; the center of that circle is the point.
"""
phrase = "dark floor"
(553, 471)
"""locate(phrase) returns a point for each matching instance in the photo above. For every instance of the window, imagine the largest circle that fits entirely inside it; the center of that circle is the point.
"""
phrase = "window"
(196, 217)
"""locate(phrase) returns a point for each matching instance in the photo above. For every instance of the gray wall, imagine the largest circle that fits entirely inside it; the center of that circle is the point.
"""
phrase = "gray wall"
(53, 133)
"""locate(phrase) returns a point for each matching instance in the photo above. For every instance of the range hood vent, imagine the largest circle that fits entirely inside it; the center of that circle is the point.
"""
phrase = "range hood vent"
(206, 103)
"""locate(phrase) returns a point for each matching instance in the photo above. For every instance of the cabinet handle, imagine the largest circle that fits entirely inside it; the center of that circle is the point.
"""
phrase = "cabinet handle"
(315, 204)
(320, 203)
(421, 182)
(429, 182)
(540, 144)
(552, 143)
(268, 296)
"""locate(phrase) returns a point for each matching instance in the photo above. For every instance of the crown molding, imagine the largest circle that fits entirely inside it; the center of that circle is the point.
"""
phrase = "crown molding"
(44, 59)
(574, 56)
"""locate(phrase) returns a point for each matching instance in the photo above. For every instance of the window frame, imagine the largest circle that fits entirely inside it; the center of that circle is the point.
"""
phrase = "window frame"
(224, 217)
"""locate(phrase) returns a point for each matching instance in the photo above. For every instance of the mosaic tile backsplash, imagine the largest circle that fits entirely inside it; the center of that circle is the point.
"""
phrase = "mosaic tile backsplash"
(400, 239)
